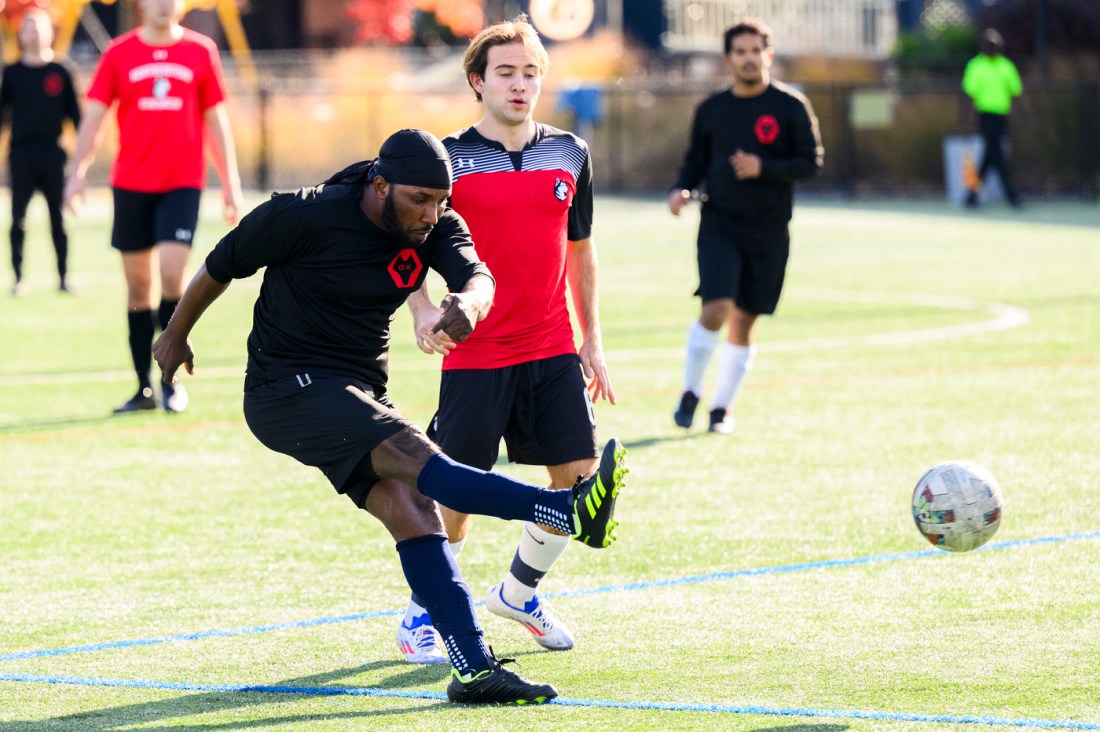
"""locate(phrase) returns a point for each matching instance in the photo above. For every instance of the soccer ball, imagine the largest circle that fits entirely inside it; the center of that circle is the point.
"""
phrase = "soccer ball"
(957, 506)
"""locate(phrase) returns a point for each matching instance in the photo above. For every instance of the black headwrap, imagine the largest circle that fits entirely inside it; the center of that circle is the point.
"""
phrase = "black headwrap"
(413, 158)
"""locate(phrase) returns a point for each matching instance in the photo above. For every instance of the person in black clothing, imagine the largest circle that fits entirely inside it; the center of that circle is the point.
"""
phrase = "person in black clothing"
(749, 143)
(37, 94)
(341, 258)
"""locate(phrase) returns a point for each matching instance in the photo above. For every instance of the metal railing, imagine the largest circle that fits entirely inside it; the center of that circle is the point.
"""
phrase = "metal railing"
(865, 29)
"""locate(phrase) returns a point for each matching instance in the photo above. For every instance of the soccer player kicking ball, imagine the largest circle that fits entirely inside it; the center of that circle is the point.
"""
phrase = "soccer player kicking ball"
(525, 189)
(341, 258)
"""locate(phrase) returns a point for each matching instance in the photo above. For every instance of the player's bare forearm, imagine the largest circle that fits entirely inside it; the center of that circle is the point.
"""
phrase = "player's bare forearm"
(88, 136)
(223, 153)
(463, 310)
(425, 316)
(582, 273)
(173, 348)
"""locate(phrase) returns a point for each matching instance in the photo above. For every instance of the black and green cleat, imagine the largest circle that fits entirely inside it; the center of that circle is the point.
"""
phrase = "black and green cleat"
(497, 685)
(594, 498)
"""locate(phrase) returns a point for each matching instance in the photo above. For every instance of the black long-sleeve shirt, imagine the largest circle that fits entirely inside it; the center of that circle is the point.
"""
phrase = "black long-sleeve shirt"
(333, 282)
(37, 99)
(779, 126)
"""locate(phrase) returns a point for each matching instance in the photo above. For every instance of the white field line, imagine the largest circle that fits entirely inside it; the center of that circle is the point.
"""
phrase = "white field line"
(1001, 317)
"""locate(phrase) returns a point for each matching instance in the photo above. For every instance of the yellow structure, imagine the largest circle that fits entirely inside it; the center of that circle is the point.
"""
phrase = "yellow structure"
(66, 13)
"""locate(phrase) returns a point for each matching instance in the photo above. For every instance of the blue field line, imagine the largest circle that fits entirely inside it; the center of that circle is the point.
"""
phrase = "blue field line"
(628, 587)
(201, 635)
(595, 703)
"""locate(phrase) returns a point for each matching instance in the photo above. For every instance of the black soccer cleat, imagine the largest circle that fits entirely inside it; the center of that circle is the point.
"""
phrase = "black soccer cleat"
(685, 412)
(594, 498)
(174, 397)
(721, 421)
(497, 685)
(139, 402)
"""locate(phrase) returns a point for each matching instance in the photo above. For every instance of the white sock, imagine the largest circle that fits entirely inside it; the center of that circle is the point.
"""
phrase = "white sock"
(734, 363)
(700, 347)
(415, 609)
(537, 552)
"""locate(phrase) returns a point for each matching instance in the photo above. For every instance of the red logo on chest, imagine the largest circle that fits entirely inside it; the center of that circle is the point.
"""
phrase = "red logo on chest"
(766, 129)
(53, 84)
(405, 268)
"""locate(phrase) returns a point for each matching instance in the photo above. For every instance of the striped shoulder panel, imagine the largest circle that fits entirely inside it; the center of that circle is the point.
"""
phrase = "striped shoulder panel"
(557, 150)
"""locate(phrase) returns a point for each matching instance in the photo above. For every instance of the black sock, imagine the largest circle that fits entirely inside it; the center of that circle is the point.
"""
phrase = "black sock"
(141, 345)
(434, 578)
(164, 312)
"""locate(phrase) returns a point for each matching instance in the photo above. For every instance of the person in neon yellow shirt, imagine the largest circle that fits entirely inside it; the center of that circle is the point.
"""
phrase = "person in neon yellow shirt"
(992, 81)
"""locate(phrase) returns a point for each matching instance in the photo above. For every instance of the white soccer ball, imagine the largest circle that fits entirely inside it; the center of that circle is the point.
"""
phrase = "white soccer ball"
(957, 506)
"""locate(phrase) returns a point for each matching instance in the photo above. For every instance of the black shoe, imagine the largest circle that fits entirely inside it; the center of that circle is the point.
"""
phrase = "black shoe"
(721, 421)
(174, 397)
(498, 685)
(685, 413)
(139, 402)
(972, 199)
(594, 498)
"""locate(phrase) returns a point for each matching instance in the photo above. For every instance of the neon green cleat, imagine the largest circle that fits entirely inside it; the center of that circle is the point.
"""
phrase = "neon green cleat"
(594, 498)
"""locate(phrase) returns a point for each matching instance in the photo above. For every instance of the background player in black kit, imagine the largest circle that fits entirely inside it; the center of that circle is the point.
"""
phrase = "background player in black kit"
(37, 95)
(749, 143)
(341, 258)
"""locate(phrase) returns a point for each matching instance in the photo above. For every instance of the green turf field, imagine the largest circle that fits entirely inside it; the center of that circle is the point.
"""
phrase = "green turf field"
(166, 571)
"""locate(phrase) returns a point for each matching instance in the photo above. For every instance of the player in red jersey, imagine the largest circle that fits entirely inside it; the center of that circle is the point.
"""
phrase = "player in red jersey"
(167, 83)
(525, 190)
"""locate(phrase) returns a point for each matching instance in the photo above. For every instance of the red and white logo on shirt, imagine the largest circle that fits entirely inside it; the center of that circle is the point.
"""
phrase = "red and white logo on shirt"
(766, 129)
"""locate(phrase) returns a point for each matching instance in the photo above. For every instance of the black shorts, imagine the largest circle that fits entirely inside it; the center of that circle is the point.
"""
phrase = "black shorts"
(144, 219)
(747, 269)
(541, 408)
(328, 422)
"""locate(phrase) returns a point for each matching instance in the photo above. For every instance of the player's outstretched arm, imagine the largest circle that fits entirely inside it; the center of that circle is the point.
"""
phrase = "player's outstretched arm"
(425, 316)
(173, 348)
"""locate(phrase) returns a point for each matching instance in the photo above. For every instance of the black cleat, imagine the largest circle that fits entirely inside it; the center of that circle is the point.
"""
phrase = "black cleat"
(174, 397)
(139, 402)
(721, 421)
(497, 685)
(594, 498)
(685, 413)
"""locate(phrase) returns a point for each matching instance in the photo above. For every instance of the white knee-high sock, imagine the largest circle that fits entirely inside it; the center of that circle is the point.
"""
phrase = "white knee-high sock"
(537, 552)
(700, 348)
(734, 363)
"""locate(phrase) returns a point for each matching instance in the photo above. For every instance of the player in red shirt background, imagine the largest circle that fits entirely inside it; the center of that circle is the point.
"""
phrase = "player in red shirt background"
(525, 191)
(166, 82)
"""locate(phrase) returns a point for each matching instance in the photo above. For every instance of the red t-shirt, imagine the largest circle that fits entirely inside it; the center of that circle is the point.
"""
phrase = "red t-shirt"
(162, 94)
(522, 209)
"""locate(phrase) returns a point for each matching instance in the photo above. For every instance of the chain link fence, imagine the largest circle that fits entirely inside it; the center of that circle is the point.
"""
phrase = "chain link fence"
(294, 129)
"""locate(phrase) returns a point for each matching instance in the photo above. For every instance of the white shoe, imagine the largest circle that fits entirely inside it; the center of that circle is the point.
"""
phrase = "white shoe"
(419, 642)
(549, 632)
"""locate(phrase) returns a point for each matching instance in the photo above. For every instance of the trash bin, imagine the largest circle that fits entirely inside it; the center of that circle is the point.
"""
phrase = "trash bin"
(585, 103)
(962, 154)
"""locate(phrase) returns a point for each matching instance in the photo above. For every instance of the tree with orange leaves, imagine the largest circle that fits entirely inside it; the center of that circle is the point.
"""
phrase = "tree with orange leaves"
(393, 21)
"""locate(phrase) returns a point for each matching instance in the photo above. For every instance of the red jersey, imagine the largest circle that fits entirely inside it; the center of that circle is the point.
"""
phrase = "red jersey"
(522, 209)
(162, 94)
